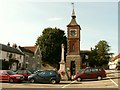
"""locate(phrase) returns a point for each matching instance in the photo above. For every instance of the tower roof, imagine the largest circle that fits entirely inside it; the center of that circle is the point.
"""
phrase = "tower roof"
(73, 20)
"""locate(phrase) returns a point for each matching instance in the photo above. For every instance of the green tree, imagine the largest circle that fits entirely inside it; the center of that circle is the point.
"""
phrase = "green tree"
(50, 44)
(100, 55)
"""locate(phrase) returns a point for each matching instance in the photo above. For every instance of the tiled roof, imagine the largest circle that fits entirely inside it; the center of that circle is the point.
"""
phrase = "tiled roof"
(85, 51)
(25, 50)
(116, 57)
(10, 49)
(73, 22)
(31, 48)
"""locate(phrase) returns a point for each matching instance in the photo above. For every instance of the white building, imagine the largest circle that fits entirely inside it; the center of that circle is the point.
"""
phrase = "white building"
(11, 57)
(115, 61)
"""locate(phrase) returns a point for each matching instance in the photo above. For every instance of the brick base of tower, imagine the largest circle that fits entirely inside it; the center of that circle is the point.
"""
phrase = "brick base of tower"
(78, 62)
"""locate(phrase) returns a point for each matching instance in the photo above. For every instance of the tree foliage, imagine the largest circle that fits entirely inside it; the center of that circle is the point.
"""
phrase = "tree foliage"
(50, 44)
(100, 55)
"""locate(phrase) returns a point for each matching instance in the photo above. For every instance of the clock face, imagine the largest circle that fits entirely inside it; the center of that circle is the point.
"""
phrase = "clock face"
(73, 32)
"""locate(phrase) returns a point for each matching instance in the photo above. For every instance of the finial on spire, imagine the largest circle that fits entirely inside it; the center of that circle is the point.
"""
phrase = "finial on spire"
(73, 13)
(72, 4)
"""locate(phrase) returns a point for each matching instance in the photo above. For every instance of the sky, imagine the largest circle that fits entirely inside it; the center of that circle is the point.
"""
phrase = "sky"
(22, 21)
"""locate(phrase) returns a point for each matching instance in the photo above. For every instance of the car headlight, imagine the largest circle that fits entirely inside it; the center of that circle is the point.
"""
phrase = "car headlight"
(29, 77)
(22, 77)
(74, 76)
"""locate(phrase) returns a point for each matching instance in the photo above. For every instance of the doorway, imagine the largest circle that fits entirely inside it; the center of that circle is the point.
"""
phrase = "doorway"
(72, 68)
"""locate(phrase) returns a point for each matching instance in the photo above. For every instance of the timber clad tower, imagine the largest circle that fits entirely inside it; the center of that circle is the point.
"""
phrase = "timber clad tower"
(73, 58)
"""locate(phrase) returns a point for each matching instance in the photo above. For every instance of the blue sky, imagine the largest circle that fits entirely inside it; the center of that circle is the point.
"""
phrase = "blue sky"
(22, 21)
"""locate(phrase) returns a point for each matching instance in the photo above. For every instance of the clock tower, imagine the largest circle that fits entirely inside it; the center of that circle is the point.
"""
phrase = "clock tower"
(73, 58)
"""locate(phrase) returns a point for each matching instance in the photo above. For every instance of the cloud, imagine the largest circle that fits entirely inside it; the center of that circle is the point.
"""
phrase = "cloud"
(54, 19)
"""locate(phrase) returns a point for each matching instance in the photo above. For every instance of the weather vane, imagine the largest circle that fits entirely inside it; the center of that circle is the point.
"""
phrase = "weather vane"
(72, 4)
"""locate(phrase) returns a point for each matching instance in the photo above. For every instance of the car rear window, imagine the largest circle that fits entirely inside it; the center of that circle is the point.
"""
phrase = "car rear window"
(3, 72)
(29, 72)
(11, 72)
(97, 69)
(101, 69)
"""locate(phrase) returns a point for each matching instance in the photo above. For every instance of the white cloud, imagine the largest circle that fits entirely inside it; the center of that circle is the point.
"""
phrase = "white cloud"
(54, 19)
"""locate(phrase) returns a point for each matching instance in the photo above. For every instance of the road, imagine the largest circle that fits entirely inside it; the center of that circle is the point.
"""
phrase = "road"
(110, 82)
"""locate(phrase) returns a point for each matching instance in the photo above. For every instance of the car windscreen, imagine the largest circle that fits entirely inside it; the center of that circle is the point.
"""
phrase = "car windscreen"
(29, 72)
(11, 72)
(38, 71)
(80, 71)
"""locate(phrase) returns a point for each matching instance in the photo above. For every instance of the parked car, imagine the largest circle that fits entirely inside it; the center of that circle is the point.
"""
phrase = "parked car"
(25, 73)
(10, 76)
(45, 76)
(90, 73)
(118, 67)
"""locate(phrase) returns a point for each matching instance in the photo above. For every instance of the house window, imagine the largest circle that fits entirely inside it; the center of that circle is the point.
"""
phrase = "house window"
(26, 65)
(7, 54)
(19, 65)
(10, 56)
(14, 56)
(20, 56)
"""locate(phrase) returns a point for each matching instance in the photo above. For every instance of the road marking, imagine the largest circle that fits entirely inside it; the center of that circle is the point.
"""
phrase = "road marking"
(113, 81)
(68, 84)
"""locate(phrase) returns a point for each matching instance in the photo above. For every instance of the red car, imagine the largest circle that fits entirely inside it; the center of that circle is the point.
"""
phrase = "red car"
(10, 76)
(25, 73)
(90, 73)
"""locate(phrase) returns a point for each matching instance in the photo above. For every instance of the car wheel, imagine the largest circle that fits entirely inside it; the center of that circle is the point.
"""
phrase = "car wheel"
(32, 80)
(11, 80)
(79, 79)
(99, 77)
(53, 81)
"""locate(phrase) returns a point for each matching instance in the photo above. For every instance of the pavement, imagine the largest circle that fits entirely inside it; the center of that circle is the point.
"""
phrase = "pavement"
(113, 73)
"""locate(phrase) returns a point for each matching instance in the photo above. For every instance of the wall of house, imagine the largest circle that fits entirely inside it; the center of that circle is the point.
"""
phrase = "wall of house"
(32, 62)
(5, 56)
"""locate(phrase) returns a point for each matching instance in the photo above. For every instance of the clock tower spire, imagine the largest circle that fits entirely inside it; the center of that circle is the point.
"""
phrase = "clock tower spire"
(73, 13)
(73, 58)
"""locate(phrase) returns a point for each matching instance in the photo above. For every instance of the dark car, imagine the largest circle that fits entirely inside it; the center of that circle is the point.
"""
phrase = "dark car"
(90, 73)
(25, 73)
(45, 76)
(118, 67)
(10, 76)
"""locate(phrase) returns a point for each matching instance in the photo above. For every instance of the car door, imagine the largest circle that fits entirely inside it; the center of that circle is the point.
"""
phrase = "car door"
(47, 76)
(25, 74)
(41, 76)
(5, 76)
(94, 72)
(87, 73)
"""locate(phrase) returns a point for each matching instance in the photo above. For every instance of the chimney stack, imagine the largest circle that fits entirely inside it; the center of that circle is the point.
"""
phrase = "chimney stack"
(14, 45)
(8, 44)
